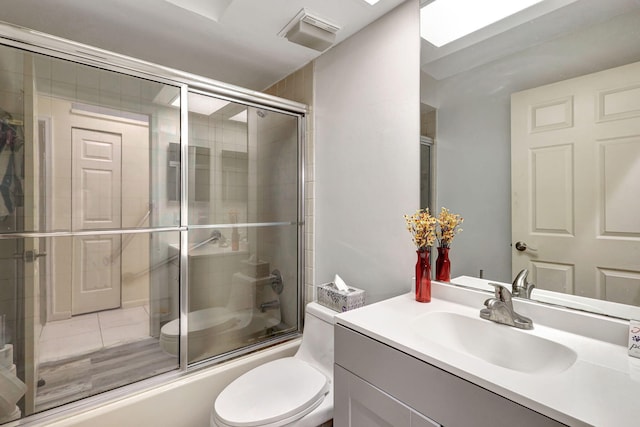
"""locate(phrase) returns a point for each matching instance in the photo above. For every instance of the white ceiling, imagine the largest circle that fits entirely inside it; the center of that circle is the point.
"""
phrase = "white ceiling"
(546, 21)
(241, 47)
(237, 42)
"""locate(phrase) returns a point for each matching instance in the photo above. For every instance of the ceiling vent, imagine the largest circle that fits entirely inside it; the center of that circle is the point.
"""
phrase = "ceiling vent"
(310, 31)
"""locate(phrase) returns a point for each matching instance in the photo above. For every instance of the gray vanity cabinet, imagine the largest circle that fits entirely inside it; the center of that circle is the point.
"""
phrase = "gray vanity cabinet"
(377, 385)
(368, 406)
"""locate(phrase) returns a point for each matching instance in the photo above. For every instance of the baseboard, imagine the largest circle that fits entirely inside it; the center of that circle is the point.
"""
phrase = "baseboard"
(135, 303)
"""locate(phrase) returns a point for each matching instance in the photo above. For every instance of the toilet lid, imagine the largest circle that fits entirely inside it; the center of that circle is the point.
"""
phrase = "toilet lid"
(281, 390)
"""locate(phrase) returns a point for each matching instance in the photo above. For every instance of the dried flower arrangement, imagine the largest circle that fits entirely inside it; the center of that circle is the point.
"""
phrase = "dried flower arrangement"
(422, 227)
(448, 224)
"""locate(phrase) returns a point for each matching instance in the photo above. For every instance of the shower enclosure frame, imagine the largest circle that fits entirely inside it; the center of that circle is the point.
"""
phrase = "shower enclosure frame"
(36, 42)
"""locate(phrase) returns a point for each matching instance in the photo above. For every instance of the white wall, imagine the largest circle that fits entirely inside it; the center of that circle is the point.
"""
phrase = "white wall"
(367, 155)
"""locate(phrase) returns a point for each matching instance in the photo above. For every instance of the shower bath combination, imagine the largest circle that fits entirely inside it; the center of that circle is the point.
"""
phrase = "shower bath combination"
(118, 228)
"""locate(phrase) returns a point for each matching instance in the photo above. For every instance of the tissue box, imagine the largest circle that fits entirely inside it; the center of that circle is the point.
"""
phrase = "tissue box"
(634, 338)
(335, 299)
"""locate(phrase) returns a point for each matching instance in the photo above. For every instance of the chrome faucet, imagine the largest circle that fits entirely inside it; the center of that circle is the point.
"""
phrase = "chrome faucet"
(500, 310)
(521, 288)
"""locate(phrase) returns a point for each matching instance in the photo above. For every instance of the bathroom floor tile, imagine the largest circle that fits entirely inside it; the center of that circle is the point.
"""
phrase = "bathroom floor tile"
(78, 325)
(122, 317)
(73, 345)
(118, 335)
(86, 333)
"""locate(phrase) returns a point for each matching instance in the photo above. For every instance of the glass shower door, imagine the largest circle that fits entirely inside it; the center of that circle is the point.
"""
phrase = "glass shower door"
(243, 225)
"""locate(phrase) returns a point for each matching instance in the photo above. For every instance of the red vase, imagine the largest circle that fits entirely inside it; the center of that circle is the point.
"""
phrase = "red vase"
(443, 265)
(423, 276)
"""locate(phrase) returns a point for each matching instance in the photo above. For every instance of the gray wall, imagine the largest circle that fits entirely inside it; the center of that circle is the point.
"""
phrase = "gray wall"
(473, 175)
(367, 155)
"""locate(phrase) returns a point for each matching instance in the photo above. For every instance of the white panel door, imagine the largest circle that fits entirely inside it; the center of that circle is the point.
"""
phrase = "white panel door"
(96, 203)
(575, 151)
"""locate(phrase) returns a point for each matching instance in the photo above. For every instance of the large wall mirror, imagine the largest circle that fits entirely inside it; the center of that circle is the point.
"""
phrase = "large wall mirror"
(537, 142)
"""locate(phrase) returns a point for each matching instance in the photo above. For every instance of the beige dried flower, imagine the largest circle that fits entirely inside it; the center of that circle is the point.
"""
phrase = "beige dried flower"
(448, 224)
(422, 227)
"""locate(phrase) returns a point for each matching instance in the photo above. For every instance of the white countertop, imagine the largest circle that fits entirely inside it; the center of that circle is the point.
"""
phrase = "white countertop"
(601, 388)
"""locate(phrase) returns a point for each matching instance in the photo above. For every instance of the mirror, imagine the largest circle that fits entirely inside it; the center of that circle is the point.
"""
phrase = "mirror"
(540, 55)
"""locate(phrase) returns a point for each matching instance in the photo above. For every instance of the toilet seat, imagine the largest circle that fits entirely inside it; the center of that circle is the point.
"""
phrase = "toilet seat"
(274, 394)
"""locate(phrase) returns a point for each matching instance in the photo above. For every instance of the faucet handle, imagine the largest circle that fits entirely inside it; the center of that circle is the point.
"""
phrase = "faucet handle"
(501, 292)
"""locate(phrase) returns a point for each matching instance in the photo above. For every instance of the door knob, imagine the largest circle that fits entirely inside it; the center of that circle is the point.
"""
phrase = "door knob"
(30, 255)
(522, 246)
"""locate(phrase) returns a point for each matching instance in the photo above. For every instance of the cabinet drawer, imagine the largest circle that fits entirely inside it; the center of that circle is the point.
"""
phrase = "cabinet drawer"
(443, 397)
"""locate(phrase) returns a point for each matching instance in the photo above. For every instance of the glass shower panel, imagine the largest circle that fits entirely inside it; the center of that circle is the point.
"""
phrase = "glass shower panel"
(243, 231)
(87, 148)
(96, 333)
(83, 151)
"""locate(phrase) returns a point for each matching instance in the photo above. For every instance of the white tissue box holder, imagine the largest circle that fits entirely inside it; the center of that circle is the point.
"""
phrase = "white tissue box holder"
(330, 296)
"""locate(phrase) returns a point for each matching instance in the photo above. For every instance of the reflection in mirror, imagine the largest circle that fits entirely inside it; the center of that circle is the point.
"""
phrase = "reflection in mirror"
(538, 142)
(427, 157)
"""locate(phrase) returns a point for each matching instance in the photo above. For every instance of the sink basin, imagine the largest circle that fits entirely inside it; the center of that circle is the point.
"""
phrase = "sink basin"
(497, 344)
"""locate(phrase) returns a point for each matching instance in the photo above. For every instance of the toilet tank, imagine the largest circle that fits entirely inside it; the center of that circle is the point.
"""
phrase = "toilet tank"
(317, 338)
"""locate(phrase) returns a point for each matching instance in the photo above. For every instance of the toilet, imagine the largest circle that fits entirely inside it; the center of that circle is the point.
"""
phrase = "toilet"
(253, 307)
(293, 391)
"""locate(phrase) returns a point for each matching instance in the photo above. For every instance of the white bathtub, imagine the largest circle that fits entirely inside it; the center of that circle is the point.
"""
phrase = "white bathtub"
(184, 402)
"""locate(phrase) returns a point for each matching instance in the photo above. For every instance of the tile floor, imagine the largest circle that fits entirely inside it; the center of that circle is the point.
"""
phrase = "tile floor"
(87, 333)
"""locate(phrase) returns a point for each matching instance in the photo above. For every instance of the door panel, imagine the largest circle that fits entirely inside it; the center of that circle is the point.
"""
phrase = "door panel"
(552, 192)
(96, 201)
(567, 139)
(96, 274)
(556, 277)
(619, 181)
(96, 179)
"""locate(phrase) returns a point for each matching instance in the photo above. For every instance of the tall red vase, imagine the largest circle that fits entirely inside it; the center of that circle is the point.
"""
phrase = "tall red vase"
(443, 265)
(423, 276)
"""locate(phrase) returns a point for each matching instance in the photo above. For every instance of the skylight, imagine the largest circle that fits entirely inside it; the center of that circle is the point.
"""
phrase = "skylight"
(443, 21)
(201, 104)
(240, 117)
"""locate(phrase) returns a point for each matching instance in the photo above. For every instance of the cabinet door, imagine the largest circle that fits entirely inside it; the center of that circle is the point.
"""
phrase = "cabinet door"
(359, 404)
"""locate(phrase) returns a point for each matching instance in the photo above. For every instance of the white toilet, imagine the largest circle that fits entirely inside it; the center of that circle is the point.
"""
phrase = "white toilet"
(293, 391)
(215, 330)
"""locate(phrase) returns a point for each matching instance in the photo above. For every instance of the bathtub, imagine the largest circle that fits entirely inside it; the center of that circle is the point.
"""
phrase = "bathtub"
(185, 401)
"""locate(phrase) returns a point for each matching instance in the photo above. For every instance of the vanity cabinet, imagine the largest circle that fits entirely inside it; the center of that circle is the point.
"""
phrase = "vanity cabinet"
(378, 385)
(366, 405)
